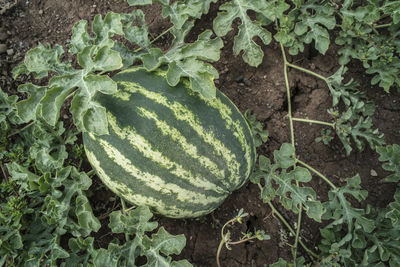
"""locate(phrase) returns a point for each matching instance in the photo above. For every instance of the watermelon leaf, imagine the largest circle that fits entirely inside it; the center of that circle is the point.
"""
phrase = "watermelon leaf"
(390, 155)
(138, 33)
(358, 225)
(165, 243)
(248, 29)
(94, 54)
(188, 61)
(139, 2)
(179, 12)
(291, 196)
(355, 123)
(314, 21)
(137, 222)
(260, 136)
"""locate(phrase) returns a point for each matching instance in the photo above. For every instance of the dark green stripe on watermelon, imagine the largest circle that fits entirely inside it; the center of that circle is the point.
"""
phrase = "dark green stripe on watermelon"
(192, 150)
(153, 195)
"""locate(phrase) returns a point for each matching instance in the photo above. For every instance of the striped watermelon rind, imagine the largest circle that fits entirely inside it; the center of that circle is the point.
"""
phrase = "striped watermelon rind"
(170, 148)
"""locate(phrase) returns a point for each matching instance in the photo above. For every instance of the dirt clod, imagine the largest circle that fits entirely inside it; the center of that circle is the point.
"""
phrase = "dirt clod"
(3, 48)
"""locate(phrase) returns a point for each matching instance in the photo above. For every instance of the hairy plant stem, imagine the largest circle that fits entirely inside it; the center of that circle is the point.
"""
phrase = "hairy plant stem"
(315, 122)
(323, 177)
(225, 239)
(90, 173)
(155, 39)
(285, 67)
(283, 220)
(304, 70)
(124, 211)
(22, 129)
(383, 26)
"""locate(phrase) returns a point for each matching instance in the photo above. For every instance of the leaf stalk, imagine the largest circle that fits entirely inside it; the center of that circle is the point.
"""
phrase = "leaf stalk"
(285, 67)
(306, 71)
(315, 122)
(323, 177)
(155, 39)
(283, 220)
(22, 129)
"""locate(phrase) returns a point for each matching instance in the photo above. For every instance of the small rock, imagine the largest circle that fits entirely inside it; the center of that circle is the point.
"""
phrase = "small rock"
(41, 12)
(247, 82)
(225, 70)
(239, 79)
(3, 34)
(10, 52)
(3, 48)
(373, 173)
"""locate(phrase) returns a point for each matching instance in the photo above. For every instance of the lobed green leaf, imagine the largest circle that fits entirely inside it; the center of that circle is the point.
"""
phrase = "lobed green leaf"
(289, 193)
(248, 29)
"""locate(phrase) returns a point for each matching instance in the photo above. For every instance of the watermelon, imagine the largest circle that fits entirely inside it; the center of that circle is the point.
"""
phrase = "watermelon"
(170, 148)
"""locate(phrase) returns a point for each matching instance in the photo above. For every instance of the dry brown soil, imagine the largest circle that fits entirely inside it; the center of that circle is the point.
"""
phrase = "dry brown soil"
(261, 90)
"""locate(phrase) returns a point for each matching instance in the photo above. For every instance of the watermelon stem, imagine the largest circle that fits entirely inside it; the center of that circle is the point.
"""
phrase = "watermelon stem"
(323, 177)
(125, 211)
(276, 212)
(155, 39)
(315, 122)
(226, 237)
(22, 129)
(286, 64)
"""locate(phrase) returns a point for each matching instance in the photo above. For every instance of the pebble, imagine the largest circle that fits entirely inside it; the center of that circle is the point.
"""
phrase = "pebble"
(3, 34)
(41, 12)
(239, 79)
(247, 82)
(3, 48)
(10, 52)
(373, 173)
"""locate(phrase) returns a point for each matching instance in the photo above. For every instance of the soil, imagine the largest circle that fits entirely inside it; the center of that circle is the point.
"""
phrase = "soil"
(261, 90)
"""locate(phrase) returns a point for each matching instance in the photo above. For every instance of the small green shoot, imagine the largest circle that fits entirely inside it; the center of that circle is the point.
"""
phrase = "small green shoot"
(325, 137)
(226, 236)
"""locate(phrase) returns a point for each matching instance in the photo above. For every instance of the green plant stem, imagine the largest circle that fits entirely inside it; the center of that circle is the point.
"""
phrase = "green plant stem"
(315, 122)
(283, 220)
(306, 71)
(221, 244)
(297, 238)
(241, 241)
(383, 26)
(285, 67)
(288, 98)
(124, 211)
(226, 240)
(317, 173)
(375, 30)
(22, 129)
(155, 39)
(90, 173)
(223, 241)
